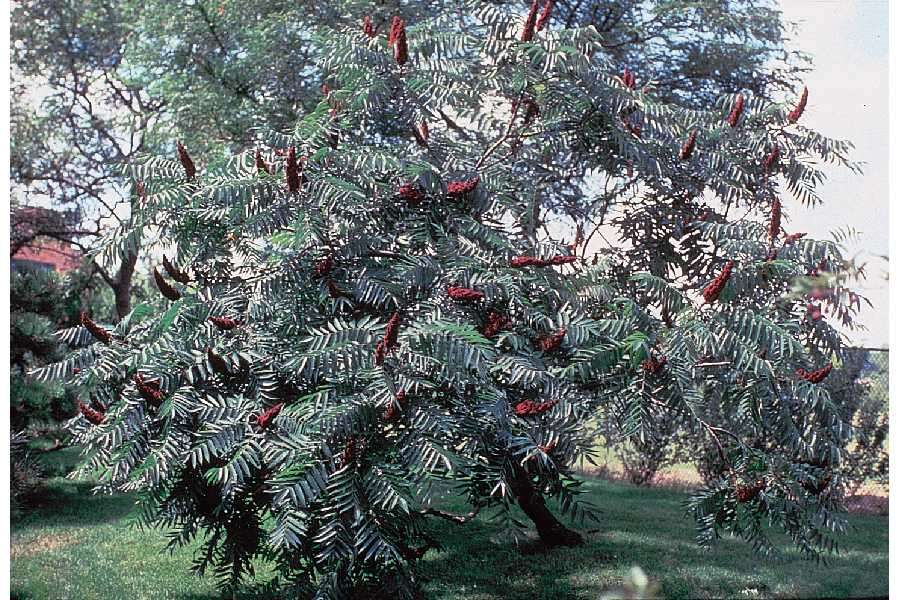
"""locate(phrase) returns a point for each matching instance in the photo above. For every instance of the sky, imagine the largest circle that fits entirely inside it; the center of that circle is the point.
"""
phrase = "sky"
(848, 99)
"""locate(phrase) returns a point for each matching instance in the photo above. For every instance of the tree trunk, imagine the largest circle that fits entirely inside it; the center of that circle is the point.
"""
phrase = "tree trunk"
(122, 287)
(551, 531)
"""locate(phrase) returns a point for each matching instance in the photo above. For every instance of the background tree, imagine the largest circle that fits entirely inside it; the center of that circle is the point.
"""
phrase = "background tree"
(368, 310)
(694, 52)
(74, 122)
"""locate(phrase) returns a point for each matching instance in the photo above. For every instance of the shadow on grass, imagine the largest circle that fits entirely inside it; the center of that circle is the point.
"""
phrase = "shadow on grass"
(65, 503)
(638, 527)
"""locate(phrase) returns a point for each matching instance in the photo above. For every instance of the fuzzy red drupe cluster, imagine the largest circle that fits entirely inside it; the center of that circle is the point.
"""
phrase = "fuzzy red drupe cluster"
(462, 187)
(175, 273)
(712, 291)
(495, 322)
(688, 148)
(148, 389)
(795, 114)
(292, 171)
(814, 376)
(551, 341)
(266, 416)
(224, 323)
(164, 287)
(532, 261)
(654, 365)
(411, 193)
(389, 341)
(736, 110)
(368, 27)
(324, 266)
(185, 159)
(397, 39)
(528, 408)
(775, 220)
(94, 416)
(462, 293)
(98, 332)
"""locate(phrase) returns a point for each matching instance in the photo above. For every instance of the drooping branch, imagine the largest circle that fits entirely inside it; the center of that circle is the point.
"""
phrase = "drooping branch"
(458, 519)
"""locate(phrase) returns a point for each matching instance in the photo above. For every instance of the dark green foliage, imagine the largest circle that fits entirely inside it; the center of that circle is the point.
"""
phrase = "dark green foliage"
(37, 309)
(25, 471)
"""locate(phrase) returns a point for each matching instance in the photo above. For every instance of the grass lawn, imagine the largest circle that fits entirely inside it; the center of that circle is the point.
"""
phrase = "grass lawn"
(79, 546)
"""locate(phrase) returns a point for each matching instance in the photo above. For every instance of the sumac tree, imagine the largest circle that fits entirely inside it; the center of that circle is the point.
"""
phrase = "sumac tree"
(404, 322)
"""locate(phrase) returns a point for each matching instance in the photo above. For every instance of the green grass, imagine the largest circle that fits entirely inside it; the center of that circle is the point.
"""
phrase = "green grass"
(76, 545)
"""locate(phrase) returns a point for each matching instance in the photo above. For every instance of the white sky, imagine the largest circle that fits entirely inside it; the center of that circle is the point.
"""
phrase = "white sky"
(848, 99)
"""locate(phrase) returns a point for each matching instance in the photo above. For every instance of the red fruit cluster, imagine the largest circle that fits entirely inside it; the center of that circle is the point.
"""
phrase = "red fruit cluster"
(795, 114)
(552, 341)
(688, 148)
(746, 493)
(712, 291)
(771, 158)
(814, 310)
(814, 376)
(368, 27)
(397, 39)
(149, 390)
(528, 408)
(186, 163)
(411, 193)
(775, 220)
(94, 416)
(224, 323)
(98, 332)
(735, 115)
(793, 238)
(333, 290)
(424, 130)
(461, 293)
(261, 165)
(389, 341)
(530, 22)
(393, 409)
(527, 261)
(349, 453)
(458, 188)
(532, 261)
(545, 15)
(653, 365)
(292, 171)
(266, 416)
(560, 260)
(324, 266)
(164, 288)
(495, 322)
(628, 79)
(632, 128)
(772, 254)
(175, 273)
